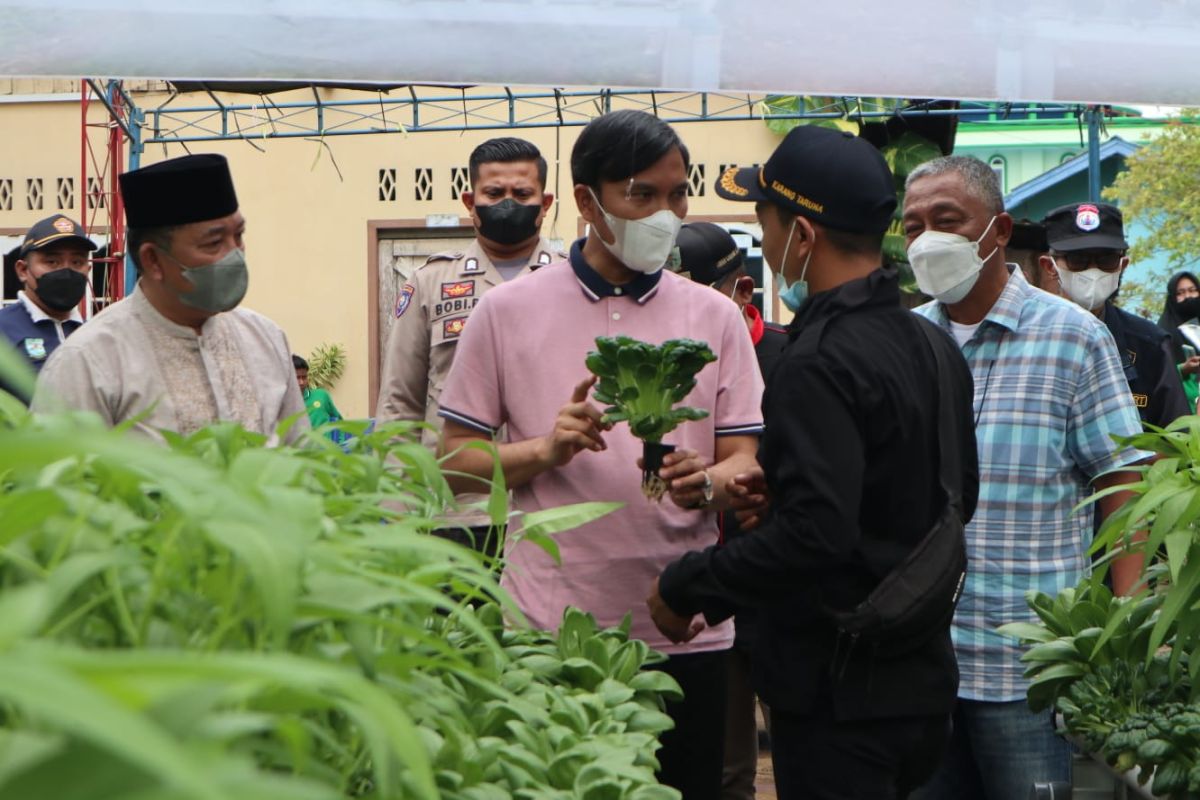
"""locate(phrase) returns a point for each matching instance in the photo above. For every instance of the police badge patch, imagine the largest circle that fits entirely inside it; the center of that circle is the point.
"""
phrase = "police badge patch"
(404, 299)
(451, 291)
(35, 349)
(1087, 217)
(452, 328)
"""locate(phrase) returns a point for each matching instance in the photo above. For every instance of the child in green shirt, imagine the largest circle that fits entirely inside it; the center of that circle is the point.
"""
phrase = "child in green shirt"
(317, 401)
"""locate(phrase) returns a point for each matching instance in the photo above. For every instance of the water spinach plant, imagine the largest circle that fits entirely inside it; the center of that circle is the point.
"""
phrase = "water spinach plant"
(1125, 672)
(218, 620)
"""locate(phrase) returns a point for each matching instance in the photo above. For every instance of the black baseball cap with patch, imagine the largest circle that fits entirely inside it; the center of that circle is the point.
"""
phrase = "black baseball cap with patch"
(55, 230)
(832, 177)
(1085, 226)
(707, 253)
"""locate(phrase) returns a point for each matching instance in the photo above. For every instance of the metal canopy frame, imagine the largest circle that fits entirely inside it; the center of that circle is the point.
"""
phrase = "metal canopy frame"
(419, 111)
(425, 108)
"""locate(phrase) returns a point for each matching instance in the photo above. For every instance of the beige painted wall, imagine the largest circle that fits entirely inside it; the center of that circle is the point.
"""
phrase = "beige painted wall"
(308, 236)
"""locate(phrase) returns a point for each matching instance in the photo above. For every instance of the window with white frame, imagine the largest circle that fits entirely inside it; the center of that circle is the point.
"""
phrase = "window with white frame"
(1000, 167)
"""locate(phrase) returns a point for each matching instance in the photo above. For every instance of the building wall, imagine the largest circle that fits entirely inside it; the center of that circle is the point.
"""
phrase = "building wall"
(1030, 148)
(314, 208)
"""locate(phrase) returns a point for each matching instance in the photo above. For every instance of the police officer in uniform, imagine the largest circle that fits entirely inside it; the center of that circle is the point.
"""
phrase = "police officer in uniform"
(507, 202)
(1087, 256)
(53, 266)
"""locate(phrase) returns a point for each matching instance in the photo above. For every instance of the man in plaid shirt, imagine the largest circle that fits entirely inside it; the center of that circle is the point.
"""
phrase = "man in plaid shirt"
(1049, 396)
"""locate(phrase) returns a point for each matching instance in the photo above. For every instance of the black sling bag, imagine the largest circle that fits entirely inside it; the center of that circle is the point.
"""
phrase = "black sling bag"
(916, 600)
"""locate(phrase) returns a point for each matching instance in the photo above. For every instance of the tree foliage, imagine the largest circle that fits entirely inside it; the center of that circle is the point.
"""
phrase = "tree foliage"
(1160, 189)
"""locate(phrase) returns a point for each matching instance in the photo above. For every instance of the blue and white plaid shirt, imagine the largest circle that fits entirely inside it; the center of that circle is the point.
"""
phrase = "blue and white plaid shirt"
(1049, 396)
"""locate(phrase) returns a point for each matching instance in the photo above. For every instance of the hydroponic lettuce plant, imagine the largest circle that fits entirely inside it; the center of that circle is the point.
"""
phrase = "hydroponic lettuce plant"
(641, 383)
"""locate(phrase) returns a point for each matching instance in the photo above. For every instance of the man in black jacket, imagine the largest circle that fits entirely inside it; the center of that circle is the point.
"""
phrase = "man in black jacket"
(1086, 257)
(850, 462)
(709, 255)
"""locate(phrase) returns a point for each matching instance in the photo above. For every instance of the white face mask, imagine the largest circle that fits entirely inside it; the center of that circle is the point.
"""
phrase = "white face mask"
(1089, 288)
(643, 245)
(947, 265)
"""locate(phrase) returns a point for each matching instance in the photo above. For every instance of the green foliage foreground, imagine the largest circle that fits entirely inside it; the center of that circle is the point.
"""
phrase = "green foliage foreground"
(217, 620)
(1124, 672)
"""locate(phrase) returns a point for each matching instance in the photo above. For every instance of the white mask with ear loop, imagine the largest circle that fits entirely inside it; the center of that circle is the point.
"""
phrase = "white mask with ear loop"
(947, 265)
(645, 244)
(1088, 288)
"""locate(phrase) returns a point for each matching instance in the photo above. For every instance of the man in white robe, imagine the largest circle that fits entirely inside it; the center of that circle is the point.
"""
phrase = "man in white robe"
(178, 354)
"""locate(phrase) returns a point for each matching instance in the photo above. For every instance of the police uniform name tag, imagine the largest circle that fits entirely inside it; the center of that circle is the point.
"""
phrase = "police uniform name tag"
(35, 349)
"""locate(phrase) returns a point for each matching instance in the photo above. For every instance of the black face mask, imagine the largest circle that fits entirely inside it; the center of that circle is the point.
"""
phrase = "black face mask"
(62, 289)
(508, 222)
(1189, 308)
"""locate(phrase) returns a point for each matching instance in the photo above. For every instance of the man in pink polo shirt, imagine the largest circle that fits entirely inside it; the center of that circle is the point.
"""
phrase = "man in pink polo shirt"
(520, 364)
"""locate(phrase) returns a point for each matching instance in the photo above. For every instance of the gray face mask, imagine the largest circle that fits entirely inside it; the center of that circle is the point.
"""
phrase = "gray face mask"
(220, 285)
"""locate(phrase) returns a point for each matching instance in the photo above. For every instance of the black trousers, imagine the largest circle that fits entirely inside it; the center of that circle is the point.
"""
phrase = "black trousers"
(818, 758)
(692, 753)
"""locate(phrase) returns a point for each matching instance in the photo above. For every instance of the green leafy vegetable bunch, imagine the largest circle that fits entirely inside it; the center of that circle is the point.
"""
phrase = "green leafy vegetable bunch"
(640, 383)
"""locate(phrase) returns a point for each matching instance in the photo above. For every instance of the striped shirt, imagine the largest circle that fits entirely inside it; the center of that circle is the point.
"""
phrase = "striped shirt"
(1049, 396)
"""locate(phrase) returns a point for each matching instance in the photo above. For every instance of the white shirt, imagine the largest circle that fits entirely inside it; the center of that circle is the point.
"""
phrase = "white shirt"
(963, 333)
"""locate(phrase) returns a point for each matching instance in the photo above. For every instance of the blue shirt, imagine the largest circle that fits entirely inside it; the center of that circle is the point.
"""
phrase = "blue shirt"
(1049, 395)
(34, 333)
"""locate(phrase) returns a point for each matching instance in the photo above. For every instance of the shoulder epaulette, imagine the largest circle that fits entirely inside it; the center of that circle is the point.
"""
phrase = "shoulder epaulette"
(448, 255)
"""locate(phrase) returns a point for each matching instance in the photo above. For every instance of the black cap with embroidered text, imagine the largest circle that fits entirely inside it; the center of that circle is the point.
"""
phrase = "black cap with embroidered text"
(1085, 226)
(832, 177)
(54, 230)
(707, 253)
(193, 188)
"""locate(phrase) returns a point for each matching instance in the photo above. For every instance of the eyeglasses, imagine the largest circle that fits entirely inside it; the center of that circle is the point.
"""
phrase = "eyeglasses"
(1078, 260)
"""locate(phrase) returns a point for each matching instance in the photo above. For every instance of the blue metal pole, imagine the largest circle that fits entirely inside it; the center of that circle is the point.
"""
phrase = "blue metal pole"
(137, 118)
(1094, 154)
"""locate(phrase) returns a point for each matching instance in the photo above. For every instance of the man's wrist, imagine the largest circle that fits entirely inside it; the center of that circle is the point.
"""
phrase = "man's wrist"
(708, 489)
(543, 453)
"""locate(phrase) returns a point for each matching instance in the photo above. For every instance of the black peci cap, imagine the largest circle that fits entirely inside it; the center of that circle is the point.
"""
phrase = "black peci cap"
(57, 229)
(1085, 226)
(1028, 235)
(191, 188)
(707, 253)
(829, 176)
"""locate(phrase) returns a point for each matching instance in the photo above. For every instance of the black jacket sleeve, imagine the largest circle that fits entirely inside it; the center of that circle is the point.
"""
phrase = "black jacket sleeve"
(814, 455)
(1168, 400)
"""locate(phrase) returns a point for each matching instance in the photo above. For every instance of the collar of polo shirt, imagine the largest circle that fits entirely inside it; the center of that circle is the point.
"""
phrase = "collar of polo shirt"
(595, 287)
